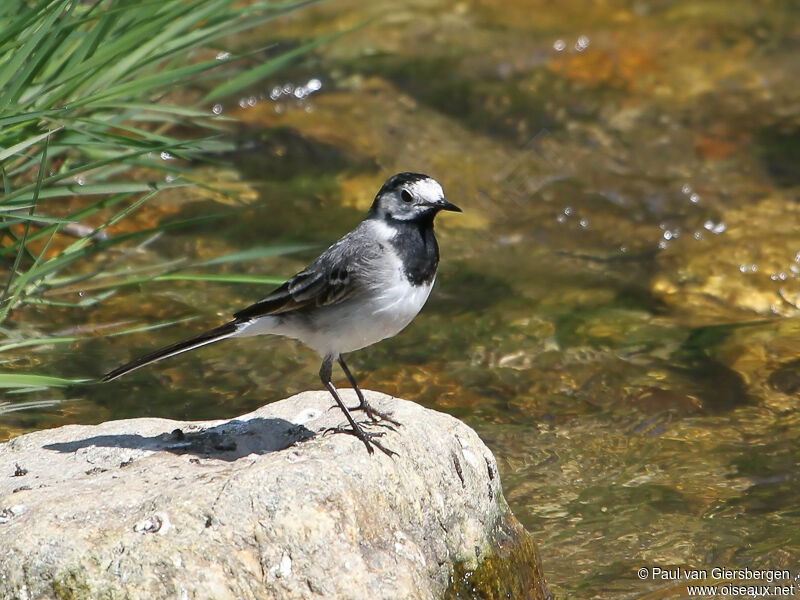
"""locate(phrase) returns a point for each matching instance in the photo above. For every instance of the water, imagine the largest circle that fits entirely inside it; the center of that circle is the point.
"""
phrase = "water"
(616, 309)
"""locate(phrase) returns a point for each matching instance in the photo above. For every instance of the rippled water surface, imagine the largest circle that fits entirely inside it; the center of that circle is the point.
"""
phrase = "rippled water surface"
(616, 311)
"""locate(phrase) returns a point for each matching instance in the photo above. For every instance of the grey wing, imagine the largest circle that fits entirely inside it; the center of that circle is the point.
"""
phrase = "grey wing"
(331, 278)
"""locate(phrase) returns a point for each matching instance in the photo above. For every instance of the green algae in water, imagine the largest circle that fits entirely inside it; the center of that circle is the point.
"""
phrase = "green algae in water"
(510, 570)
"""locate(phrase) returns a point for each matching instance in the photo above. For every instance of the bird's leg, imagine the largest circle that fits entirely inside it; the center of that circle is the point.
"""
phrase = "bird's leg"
(372, 413)
(369, 439)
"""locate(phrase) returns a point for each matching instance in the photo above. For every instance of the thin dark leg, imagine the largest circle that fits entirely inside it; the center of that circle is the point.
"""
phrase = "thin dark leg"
(369, 439)
(363, 404)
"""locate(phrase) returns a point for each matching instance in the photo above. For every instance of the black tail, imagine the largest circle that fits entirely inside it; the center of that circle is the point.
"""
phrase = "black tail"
(220, 333)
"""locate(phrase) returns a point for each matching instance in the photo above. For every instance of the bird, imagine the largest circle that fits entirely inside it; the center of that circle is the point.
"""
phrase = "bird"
(366, 287)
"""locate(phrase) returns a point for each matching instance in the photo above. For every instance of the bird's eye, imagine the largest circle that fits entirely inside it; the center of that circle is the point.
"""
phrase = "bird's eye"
(406, 196)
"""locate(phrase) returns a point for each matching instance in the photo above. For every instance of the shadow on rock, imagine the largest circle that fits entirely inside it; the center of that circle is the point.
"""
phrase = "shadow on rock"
(229, 441)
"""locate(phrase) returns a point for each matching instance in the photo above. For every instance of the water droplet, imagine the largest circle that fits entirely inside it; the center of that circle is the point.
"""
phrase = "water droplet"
(166, 156)
(686, 189)
(314, 85)
(223, 55)
(568, 210)
(559, 45)
(694, 198)
(275, 93)
(242, 102)
(582, 43)
(584, 223)
(251, 101)
(217, 109)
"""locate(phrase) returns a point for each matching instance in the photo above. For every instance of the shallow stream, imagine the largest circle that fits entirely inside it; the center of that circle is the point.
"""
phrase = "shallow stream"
(616, 311)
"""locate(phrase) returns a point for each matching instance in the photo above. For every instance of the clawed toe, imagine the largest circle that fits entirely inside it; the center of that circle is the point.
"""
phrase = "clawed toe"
(375, 415)
(369, 439)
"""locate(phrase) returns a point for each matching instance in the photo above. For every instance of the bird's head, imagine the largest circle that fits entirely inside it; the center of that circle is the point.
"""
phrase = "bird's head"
(410, 197)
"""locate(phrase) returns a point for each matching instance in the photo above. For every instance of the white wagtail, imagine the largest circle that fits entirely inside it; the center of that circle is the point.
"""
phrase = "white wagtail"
(366, 287)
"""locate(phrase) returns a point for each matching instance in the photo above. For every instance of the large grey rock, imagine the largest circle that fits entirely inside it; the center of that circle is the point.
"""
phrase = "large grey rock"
(256, 507)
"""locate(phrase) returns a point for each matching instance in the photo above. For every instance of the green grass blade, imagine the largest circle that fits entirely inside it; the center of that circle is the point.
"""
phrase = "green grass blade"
(21, 380)
(24, 145)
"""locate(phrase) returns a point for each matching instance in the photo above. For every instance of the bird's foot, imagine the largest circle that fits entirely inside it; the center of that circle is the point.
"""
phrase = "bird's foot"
(369, 439)
(374, 414)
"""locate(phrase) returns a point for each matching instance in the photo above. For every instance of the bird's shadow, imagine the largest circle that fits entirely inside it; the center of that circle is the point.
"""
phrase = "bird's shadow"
(228, 441)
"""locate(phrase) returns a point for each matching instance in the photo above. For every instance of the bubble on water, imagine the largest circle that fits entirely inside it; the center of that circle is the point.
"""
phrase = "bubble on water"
(715, 228)
(582, 43)
(698, 235)
(584, 223)
(686, 189)
(694, 198)
(559, 45)
(568, 210)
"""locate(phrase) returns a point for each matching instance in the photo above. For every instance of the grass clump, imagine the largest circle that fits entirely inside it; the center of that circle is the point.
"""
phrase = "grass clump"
(87, 128)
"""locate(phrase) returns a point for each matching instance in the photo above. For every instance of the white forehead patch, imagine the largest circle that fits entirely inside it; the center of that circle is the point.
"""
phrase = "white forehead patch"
(427, 189)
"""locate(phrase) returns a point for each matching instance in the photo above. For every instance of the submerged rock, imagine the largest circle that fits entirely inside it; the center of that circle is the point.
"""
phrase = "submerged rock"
(260, 507)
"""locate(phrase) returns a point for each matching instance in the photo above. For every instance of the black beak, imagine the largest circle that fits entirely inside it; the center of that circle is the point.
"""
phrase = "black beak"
(445, 205)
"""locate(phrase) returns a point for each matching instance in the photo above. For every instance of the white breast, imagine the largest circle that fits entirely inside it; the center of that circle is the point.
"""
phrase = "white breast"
(380, 310)
(379, 315)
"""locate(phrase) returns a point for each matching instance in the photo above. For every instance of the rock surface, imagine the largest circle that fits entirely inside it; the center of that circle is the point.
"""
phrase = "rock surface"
(259, 507)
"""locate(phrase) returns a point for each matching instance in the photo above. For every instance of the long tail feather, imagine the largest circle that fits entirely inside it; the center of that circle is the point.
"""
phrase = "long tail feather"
(214, 335)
